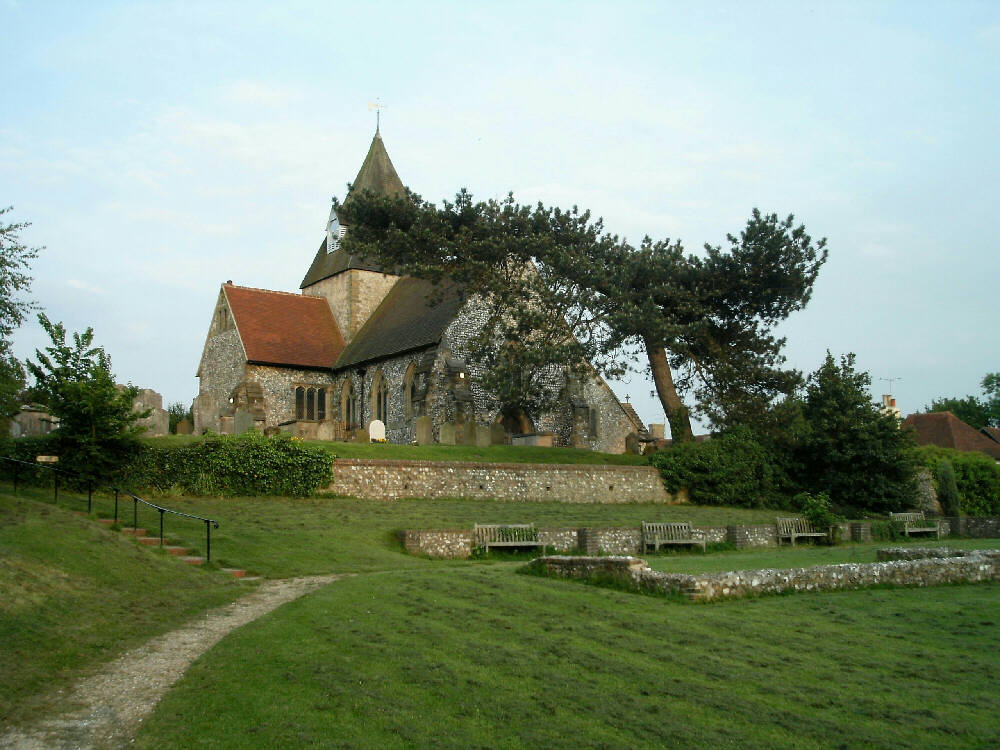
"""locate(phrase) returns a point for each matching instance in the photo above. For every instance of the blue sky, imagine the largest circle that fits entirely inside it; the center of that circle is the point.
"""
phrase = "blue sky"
(162, 148)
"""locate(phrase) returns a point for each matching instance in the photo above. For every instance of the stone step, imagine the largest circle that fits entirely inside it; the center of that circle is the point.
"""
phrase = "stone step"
(193, 560)
(236, 572)
(106, 521)
(149, 540)
(176, 550)
(134, 531)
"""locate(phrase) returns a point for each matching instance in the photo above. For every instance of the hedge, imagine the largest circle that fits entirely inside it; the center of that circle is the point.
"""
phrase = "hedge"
(248, 464)
(977, 477)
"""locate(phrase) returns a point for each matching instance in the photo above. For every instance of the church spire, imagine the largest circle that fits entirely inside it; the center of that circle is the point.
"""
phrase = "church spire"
(377, 173)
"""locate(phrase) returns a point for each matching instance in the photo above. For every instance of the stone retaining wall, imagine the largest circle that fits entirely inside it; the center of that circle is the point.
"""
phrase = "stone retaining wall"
(971, 567)
(375, 479)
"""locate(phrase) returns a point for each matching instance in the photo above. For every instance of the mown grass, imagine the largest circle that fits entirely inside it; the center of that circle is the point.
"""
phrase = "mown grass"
(73, 594)
(488, 454)
(800, 556)
(419, 652)
(280, 537)
(482, 657)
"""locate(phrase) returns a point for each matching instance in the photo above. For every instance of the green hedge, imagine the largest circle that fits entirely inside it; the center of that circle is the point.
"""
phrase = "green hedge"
(248, 464)
(977, 477)
(731, 469)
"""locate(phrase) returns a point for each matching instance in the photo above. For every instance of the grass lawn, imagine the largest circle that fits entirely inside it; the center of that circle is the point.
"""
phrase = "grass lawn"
(419, 652)
(482, 657)
(490, 454)
(73, 595)
(280, 537)
(800, 556)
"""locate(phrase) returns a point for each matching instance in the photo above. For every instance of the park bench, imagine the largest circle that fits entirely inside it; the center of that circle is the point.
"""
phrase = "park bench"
(916, 523)
(505, 535)
(794, 528)
(658, 534)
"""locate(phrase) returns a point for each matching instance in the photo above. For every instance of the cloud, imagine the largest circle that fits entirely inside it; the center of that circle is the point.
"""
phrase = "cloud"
(84, 286)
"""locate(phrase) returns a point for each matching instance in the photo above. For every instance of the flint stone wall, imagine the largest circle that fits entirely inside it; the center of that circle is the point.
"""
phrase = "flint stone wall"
(634, 573)
(375, 479)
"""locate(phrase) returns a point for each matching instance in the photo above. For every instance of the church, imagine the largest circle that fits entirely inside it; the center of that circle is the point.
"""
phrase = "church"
(358, 344)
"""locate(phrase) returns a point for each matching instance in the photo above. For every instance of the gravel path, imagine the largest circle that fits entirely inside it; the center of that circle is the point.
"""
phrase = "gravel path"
(108, 707)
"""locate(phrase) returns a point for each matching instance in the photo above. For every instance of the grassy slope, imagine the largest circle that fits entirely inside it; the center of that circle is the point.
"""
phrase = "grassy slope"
(482, 657)
(73, 594)
(491, 454)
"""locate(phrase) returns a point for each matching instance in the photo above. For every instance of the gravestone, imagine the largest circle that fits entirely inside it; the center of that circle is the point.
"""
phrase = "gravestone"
(447, 434)
(184, 427)
(498, 435)
(632, 445)
(242, 422)
(326, 430)
(425, 431)
(483, 439)
(226, 425)
(462, 433)
(376, 431)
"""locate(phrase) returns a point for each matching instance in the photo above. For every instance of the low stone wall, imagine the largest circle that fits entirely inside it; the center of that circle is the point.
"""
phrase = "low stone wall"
(971, 567)
(375, 479)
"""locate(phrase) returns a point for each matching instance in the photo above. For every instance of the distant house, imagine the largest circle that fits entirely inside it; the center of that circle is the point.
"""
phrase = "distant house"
(944, 429)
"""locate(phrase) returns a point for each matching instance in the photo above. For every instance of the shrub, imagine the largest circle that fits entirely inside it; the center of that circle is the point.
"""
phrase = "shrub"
(815, 508)
(947, 489)
(977, 477)
(731, 469)
(248, 464)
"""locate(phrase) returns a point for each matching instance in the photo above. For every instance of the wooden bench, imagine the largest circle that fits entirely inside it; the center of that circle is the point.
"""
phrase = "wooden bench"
(794, 528)
(505, 535)
(916, 523)
(658, 534)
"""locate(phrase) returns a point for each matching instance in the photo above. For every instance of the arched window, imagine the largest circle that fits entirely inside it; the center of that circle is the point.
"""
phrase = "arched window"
(349, 405)
(380, 398)
(321, 403)
(409, 390)
(300, 403)
(311, 403)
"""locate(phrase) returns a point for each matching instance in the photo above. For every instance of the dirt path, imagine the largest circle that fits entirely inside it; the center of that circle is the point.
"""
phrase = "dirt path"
(108, 707)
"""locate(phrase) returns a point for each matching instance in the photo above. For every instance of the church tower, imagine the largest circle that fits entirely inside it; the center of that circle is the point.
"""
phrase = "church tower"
(354, 285)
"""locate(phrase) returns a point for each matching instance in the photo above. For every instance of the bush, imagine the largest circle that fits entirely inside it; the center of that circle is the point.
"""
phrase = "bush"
(731, 469)
(815, 508)
(977, 478)
(248, 464)
(947, 489)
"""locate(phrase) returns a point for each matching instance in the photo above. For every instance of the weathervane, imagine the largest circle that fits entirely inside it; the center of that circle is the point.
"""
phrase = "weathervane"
(377, 106)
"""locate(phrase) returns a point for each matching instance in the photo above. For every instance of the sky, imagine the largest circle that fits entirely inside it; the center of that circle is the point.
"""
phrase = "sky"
(159, 149)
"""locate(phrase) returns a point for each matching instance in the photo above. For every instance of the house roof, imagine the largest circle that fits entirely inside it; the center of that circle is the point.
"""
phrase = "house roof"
(406, 320)
(993, 433)
(279, 328)
(944, 429)
(377, 175)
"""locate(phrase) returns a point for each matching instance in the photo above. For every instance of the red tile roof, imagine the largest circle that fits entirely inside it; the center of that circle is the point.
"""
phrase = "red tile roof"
(993, 433)
(278, 328)
(948, 431)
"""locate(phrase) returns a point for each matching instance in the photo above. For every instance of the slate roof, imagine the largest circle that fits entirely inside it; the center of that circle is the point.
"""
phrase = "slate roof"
(280, 328)
(405, 321)
(948, 431)
(377, 175)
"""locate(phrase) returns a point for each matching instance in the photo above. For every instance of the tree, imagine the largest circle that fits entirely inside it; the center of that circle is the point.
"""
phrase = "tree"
(15, 258)
(948, 489)
(850, 449)
(177, 412)
(561, 291)
(96, 432)
(974, 411)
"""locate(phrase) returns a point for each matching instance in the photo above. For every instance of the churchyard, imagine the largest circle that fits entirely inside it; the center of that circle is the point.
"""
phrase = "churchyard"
(412, 651)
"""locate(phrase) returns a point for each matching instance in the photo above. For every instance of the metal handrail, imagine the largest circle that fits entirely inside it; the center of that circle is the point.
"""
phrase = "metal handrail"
(210, 523)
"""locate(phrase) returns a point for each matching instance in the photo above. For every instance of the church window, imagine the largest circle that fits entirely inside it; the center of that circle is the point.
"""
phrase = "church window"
(409, 390)
(311, 404)
(321, 403)
(380, 397)
(593, 422)
(349, 406)
(300, 401)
